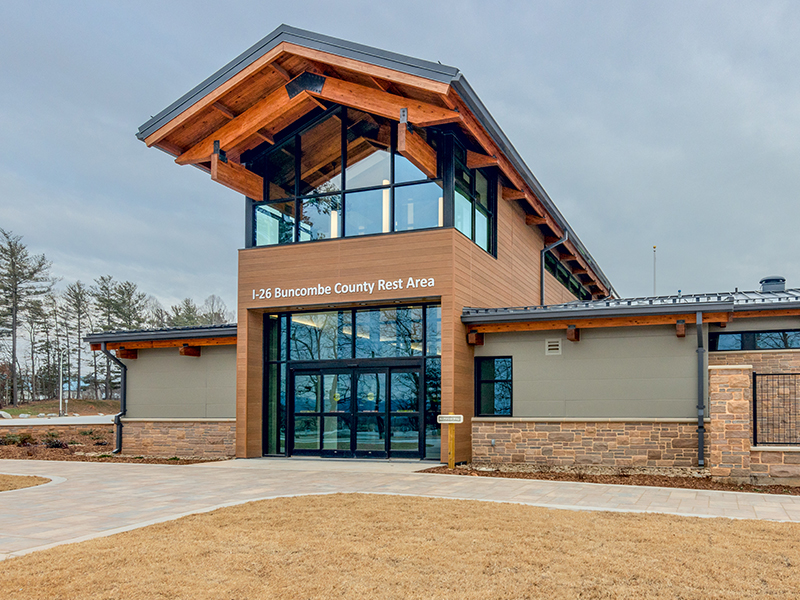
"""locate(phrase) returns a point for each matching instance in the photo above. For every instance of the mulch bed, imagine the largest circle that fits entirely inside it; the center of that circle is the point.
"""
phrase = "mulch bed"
(695, 483)
(93, 444)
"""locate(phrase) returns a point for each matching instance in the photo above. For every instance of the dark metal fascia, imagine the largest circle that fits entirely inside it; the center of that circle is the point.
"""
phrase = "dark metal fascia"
(307, 39)
(160, 334)
(496, 133)
(768, 305)
(595, 313)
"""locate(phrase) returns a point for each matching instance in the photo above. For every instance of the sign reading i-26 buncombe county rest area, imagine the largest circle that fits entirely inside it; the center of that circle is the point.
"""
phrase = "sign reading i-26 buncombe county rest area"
(343, 288)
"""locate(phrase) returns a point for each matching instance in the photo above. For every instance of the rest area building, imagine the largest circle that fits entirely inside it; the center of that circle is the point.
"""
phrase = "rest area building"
(389, 224)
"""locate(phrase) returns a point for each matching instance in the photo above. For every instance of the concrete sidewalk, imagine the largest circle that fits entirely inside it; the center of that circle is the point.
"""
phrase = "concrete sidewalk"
(88, 500)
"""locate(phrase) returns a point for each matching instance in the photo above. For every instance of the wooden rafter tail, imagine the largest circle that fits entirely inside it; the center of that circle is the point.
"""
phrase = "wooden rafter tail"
(512, 194)
(223, 110)
(476, 160)
(415, 149)
(535, 220)
(238, 178)
(280, 70)
(187, 350)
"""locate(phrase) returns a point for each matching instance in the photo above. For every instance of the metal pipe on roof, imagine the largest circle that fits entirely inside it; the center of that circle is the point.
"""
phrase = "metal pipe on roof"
(123, 396)
(701, 395)
(545, 250)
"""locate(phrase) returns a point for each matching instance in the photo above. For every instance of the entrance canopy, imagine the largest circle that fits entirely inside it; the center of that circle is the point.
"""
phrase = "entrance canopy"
(292, 73)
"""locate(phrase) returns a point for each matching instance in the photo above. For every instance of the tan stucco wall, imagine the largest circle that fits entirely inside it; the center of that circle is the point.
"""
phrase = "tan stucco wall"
(164, 384)
(625, 372)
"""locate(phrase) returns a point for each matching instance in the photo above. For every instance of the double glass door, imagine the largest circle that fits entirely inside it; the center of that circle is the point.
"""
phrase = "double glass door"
(370, 412)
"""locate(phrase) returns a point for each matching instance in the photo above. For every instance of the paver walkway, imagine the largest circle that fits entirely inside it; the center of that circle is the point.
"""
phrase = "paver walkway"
(87, 500)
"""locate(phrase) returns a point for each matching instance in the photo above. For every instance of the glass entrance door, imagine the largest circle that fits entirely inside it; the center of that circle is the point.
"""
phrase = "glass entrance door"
(367, 412)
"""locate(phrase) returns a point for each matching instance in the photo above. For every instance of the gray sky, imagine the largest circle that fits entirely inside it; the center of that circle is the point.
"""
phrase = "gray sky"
(674, 124)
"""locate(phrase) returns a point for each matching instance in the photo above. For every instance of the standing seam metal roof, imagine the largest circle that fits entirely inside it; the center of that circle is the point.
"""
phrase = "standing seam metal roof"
(618, 307)
(391, 60)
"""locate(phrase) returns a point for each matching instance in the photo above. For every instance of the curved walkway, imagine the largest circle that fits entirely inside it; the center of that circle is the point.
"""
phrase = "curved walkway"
(88, 500)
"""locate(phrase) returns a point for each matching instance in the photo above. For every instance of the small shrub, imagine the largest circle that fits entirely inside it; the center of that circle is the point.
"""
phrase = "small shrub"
(73, 443)
(101, 443)
(174, 458)
(105, 456)
(23, 439)
(86, 432)
(54, 442)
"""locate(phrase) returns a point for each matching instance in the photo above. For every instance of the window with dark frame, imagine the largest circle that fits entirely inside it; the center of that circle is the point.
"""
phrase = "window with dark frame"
(341, 176)
(474, 201)
(493, 386)
(754, 340)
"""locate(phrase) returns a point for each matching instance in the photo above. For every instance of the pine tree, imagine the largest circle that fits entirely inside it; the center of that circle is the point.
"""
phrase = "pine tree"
(77, 301)
(184, 314)
(22, 277)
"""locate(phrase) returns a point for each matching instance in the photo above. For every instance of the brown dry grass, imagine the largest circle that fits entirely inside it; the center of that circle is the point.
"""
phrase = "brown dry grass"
(17, 482)
(359, 546)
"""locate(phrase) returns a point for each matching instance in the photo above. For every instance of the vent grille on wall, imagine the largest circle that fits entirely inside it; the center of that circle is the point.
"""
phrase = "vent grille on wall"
(552, 347)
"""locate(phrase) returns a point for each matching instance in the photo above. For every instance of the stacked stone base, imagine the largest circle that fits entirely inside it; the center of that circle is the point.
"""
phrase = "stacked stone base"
(203, 438)
(622, 443)
(775, 466)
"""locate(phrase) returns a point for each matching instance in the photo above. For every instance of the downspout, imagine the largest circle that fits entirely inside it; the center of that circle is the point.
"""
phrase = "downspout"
(123, 389)
(545, 250)
(701, 392)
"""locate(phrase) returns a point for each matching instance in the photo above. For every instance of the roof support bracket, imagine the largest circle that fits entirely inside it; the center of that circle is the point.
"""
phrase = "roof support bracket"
(573, 333)
(223, 157)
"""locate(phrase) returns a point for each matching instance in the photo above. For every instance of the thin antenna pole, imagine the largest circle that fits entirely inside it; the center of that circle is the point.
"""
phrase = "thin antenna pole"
(654, 270)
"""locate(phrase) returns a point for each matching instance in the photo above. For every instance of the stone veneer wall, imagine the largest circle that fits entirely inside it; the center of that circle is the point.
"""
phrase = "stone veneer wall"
(764, 361)
(621, 443)
(179, 437)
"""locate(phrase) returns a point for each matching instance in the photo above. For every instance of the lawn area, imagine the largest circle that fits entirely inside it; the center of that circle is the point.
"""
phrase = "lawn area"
(370, 546)
(17, 482)
(82, 407)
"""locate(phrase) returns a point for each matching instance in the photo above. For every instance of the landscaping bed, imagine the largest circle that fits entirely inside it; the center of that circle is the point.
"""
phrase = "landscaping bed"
(696, 479)
(82, 443)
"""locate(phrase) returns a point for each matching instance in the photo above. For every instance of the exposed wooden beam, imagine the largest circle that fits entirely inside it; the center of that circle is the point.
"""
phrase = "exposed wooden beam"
(265, 135)
(580, 271)
(242, 127)
(568, 256)
(512, 194)
(176, 343)
(474, 338)
(189, 351)
(224, 110)
(573, 334)
(280, 70)
(237, 177)
(127, 353)
(214, 95)
(173, 149)
(476, 160)
(382, 103)
(593, 323)
(368, 69)
(418, 151)
(680, 328)
(535, 220)
(379, 83)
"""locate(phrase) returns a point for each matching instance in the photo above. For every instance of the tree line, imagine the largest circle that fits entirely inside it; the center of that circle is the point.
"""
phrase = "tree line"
(42, 326)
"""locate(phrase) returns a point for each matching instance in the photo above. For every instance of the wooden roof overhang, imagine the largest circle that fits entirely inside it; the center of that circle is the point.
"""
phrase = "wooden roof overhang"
(291, 72)
(572, 320)
(188, 340)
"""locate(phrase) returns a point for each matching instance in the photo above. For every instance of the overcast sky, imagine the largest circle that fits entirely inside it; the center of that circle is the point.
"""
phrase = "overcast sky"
(674, 124)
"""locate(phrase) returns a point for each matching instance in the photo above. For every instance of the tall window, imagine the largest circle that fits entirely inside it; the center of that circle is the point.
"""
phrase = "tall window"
(474, 203)
(493, 386)
(341, 176)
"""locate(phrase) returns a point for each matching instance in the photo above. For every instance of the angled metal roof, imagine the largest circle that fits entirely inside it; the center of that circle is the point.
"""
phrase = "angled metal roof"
(391, 60)
(646, 305)
(170, 333)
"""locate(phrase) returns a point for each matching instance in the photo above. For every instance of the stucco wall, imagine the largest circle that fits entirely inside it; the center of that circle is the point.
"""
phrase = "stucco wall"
(625, 372)
(164, 384)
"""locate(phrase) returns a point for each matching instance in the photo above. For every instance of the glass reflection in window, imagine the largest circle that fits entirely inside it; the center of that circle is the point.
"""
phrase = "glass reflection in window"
(320, 218)
(463, 214)
(367, 212)
(321, 336)
(368, 150)
(388, 332)
(321, 157)
(274, 223)
(418, 206)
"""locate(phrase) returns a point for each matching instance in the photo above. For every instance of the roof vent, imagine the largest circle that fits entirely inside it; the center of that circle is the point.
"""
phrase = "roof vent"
(774, 283)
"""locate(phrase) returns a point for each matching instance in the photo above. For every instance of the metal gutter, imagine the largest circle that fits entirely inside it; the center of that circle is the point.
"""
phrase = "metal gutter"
(162, 334)
(562, 314)
(123, 397)
(701, 395)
